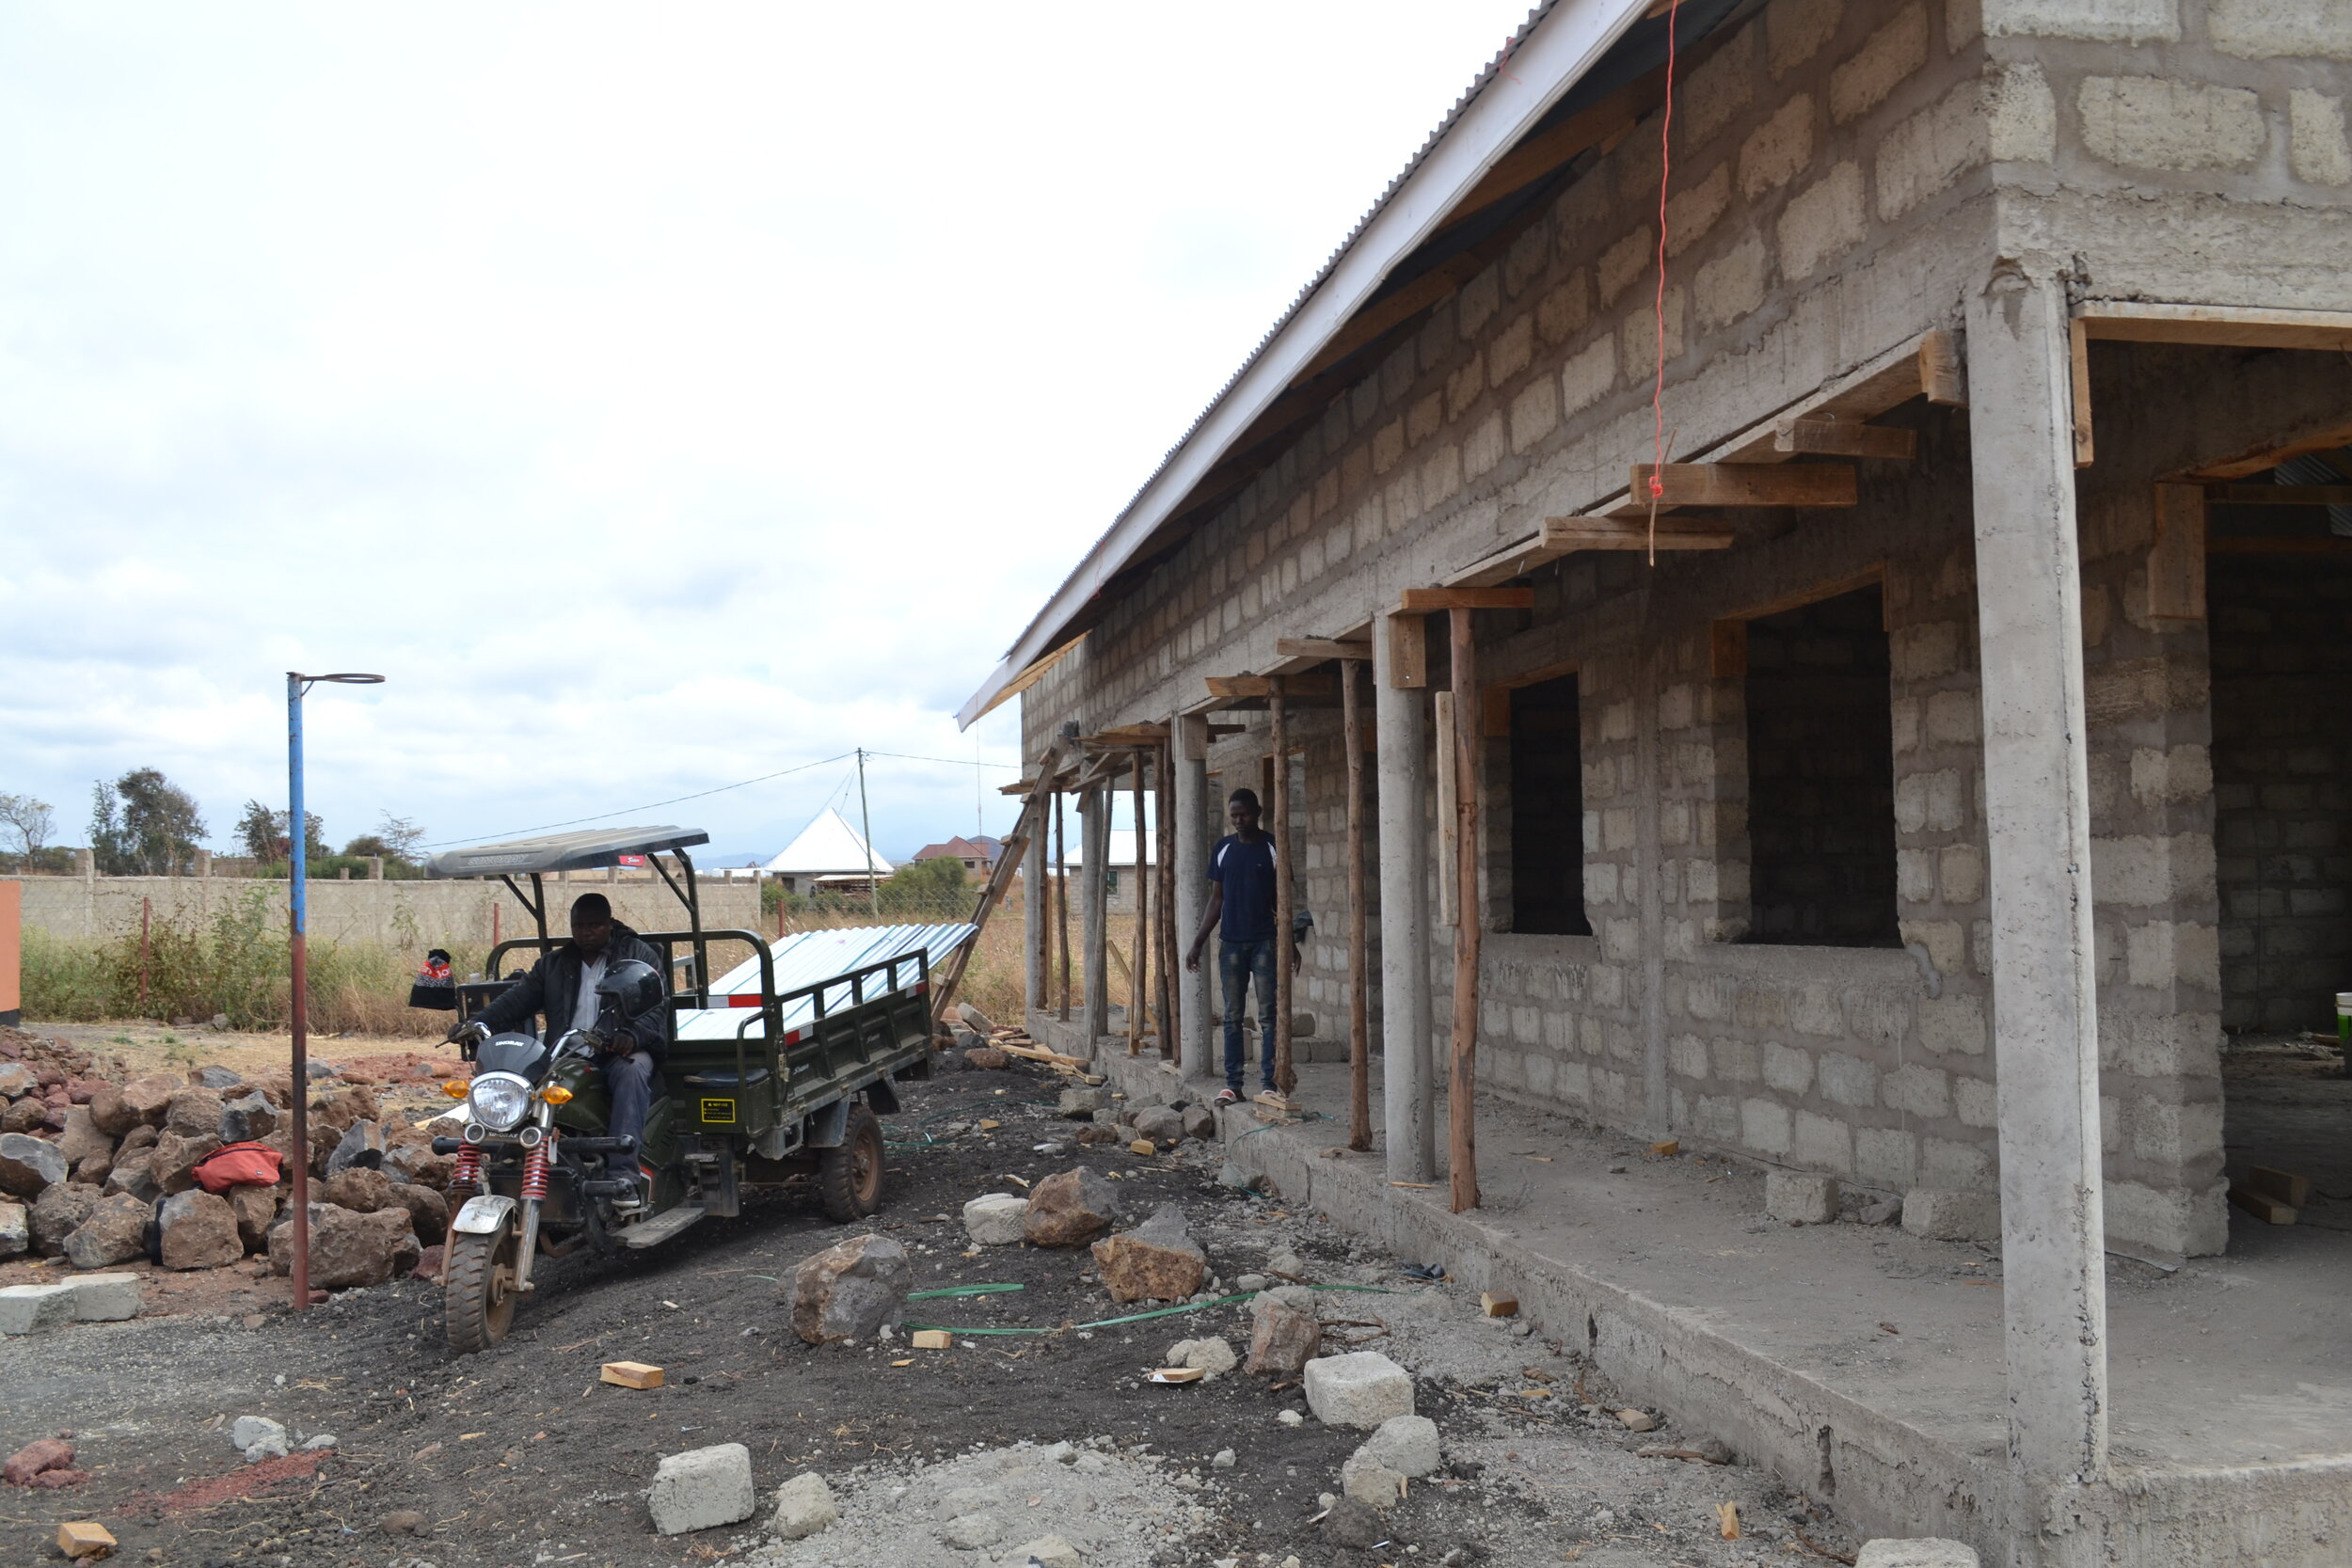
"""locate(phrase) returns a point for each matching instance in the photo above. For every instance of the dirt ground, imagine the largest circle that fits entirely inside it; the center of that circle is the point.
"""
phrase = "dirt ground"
(522, 1456)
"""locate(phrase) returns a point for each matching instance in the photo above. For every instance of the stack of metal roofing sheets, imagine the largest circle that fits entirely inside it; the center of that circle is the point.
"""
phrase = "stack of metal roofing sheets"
(807, 958)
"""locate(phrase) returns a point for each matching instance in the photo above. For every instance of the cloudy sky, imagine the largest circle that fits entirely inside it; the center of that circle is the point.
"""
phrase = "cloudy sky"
(658, 396)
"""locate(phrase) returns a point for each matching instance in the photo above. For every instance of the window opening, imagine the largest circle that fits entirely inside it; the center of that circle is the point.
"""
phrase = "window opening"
(1548, 809)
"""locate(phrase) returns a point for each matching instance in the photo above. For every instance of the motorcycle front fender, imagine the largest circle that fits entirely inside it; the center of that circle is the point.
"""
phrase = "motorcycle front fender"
(482, 1214)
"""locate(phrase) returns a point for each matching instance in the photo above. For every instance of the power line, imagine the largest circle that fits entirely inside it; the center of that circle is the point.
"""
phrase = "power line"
(655, 805)
(952, 762)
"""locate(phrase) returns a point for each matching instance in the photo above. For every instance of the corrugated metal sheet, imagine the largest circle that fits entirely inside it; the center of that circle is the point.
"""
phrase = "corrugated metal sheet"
(807, 958)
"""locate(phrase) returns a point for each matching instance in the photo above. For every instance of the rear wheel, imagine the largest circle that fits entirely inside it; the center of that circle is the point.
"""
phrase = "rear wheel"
(851, 1177)
(479, 1303)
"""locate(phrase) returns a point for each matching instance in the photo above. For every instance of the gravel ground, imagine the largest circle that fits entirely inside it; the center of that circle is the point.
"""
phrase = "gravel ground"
(520, 1456)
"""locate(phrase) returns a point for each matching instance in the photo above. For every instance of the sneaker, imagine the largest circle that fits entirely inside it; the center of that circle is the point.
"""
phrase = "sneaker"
(1228, 1097)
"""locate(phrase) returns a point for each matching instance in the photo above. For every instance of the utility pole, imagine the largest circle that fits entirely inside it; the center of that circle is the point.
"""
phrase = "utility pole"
(866, 831)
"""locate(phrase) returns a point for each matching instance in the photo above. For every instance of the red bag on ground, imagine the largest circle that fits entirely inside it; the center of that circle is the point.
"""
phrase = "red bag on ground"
(237, 1165)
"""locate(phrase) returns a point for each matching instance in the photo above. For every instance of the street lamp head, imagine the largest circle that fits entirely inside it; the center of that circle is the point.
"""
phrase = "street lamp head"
(347, 678)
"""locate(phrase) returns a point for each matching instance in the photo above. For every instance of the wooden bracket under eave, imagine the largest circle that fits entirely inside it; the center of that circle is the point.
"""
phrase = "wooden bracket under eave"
(1425, 601)
(2078, 380)
(1823, 438)
(1246, 687)
(1409, 651)
(1805, 484)
(1322, 647)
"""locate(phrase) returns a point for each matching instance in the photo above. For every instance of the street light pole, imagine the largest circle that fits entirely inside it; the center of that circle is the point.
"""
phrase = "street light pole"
(298, 911)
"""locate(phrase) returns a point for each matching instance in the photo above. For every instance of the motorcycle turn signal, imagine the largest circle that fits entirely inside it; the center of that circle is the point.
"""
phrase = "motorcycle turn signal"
(455, 1088)
(556, 1093)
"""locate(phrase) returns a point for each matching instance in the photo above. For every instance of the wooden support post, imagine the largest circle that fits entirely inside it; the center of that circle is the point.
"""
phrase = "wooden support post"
(1163, 834)
(1358, 1008)
(1139, 984)
(1061, 898)
(1461, 1108)
(1285, 1076)
(1094, 835)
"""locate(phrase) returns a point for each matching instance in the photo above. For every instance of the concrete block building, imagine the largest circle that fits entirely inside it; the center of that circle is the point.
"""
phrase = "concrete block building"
(1898, 515)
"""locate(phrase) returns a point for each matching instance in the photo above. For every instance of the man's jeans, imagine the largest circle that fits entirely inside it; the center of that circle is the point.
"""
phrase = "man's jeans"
(628, 1080)
(1239, 965)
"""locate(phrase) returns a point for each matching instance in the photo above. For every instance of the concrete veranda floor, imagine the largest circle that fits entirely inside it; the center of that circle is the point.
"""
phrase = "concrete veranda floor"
(2230, 1364)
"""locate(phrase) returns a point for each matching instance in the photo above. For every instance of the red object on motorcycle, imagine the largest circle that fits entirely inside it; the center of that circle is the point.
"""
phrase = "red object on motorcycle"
(536, 1173)
(467, 1177)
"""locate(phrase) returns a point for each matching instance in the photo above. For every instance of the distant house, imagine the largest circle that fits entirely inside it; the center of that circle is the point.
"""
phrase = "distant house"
(978, 855)
(828, 855)
(1118, 864)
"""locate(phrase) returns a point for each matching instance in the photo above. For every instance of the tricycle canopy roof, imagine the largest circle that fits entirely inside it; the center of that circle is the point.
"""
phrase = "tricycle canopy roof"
(582, 851)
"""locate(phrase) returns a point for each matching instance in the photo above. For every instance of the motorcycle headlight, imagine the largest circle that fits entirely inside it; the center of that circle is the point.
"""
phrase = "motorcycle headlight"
(498, 1100)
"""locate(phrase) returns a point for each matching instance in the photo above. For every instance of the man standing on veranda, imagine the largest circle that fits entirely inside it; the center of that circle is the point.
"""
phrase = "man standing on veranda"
(1241, 895)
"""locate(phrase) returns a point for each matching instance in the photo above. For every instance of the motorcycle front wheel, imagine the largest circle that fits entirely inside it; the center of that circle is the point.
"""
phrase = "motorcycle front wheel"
(478, 1305)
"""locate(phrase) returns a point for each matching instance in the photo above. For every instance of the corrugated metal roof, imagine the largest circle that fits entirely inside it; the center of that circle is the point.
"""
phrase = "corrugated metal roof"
(807, 958)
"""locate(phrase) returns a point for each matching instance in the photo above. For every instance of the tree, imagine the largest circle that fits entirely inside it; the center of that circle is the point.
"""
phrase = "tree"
(262, 834)
(395, 838)
(29, 821)
(144, 825)
(934, 887)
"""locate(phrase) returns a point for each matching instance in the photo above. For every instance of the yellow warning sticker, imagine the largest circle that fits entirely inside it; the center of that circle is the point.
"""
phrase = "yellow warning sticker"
(717, 1109)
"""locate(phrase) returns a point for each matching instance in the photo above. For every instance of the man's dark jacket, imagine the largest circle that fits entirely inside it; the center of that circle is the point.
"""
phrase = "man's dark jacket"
(552, 988)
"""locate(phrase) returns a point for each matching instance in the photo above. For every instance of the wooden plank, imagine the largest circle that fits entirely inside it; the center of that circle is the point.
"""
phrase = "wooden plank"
(1147, 734)
(1942, 374)
(1538, 675)
(2263, 1205)
(2176, 562)
(2214, 325)
(1566, 535)
(1218, 732)
(2078, 379)
(1286, 1074)
(1750, 484)
(2295, 1191)
(1461, 1083)
(2279, 494)
(1409, 653)
(1542, 153)
(1448, 826)
(630, 1374)
(1420, 601)
(1262, 686)
(2313, 544)
(1727, 650)
(1320, 647)
(1828, 437)
(1358, 933)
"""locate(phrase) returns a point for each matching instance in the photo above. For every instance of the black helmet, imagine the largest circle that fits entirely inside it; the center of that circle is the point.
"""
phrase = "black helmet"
(633, 986)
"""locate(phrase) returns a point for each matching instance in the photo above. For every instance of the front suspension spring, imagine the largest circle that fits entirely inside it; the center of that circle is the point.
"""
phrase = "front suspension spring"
(467, 1177)
(535, 1172)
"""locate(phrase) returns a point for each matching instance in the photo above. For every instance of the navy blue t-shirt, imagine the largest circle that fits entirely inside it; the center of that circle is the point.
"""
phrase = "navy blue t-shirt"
(1246, 872)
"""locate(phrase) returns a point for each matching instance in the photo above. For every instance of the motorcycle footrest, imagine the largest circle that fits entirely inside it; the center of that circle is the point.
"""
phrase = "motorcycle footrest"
(617, 1188)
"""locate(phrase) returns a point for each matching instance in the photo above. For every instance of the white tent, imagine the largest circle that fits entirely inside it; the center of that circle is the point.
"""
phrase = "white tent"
(828, 847)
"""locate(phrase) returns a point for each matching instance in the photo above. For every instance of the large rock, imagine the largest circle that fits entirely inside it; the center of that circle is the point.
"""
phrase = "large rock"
(247, 1118)
(1200, 1122)
(16, 1230)
(29, 1165)
(17, 1080)
(804, 1506)
(140, 1136)
(702, 1489)
(193, 1113)
(1362, 1388)
(1069, 1209)
(1282, 1337)
(81, 1138)
(348, 1250)
(358, 1188)
(197, 1230)
(256, 1208)
(1079, 1105)
(850, 1291)
(996, 1219)
(361, 1147)
(149, 1099)
(418, 1164)
(28, 1115)
(1161, 1124)
(1157, 1260)
(428, 1210)
(133, 1174)
(218, 1079)
(177, 1155)
(1371, 1482)
(93, 1171)
(57, 1212)
(116, 1232)
(109, 1113)
(1405, 1444)
(1213, 1355)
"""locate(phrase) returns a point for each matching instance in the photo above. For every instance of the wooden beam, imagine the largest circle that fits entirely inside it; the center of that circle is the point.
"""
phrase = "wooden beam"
(1928, 364)
(1409, 653)
(1320, 647)
(1567, 536)
(1218, 732)
(1942, 374)
(1359, 938)
(2279, 494)
(1261, 685)
(1285, 1073)
(1748, 485)
(1393, 309)
(2176, 562)
(1813, 594)
(2078, 376)
(1846, 438)
(1422, 601)
(1148, 734)
(1546, 151)
(2214, 325)
(1462, 1081)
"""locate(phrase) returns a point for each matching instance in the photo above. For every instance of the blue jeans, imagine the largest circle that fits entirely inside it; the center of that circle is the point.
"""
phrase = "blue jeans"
(628, 1080)
(1239, 964)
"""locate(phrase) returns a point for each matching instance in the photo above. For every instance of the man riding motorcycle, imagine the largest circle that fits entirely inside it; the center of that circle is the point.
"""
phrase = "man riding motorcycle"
(563, 985)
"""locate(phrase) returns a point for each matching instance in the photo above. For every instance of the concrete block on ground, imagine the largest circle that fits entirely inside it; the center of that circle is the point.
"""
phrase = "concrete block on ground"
(805, 1505)
(1213, 1355)
(1800, 1200)
(994, 1219)
(36, 1309)
(1371, 1482)
(1939, 1214)
(104, 1298)
(1362, 1388)
(1926, 1552)
(702, 1489)
(1405, 1444)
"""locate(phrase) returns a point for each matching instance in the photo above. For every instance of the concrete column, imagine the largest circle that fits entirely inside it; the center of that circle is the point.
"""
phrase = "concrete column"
(1191, 753)
(1401, 720)
(1094, 837)
(1036, 909)
(2038, 812)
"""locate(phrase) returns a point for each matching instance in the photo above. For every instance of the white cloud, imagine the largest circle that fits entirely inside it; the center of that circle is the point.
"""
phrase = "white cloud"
(658, 398)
